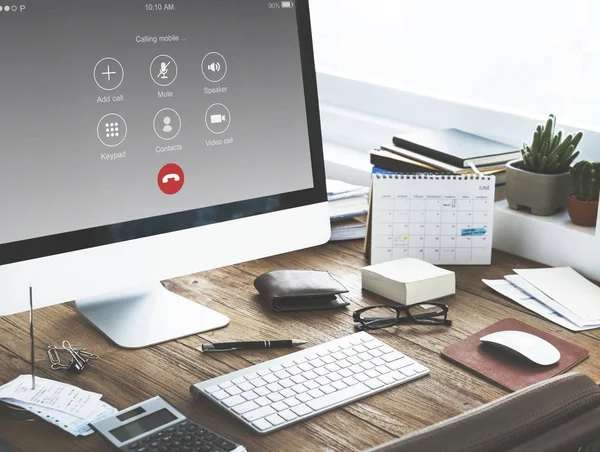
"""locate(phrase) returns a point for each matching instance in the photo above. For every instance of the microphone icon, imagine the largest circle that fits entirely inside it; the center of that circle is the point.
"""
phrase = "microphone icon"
(164, 68)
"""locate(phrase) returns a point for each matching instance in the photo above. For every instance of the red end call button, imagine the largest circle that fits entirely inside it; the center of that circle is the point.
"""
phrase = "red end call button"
(170, 179)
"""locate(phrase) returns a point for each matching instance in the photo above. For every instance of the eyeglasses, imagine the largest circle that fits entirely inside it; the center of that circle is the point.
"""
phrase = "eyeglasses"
(375, 317)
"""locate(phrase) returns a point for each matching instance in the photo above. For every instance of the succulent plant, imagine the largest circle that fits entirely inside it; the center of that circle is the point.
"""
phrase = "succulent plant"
(585, 177)
(549, 153)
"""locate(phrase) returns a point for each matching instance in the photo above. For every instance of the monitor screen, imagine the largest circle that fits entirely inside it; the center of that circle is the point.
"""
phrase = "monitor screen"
(124, 119)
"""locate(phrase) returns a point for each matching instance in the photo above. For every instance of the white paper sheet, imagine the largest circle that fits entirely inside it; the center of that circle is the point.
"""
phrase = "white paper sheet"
(567, 287)
(513, 292)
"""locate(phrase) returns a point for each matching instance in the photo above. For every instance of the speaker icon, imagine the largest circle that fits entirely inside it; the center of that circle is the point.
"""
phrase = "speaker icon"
(215, 67)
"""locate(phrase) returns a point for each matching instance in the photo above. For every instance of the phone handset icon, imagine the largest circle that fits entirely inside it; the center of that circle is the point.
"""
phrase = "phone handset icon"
(169, 177)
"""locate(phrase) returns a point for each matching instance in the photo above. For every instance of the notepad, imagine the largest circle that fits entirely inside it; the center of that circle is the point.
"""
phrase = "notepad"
(441, 219)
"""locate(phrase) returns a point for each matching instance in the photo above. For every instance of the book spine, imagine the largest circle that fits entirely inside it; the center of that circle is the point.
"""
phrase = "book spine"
(398, 167)
(427, 152)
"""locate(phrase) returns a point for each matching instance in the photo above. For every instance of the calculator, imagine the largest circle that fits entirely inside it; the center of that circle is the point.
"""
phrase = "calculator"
(156, 426)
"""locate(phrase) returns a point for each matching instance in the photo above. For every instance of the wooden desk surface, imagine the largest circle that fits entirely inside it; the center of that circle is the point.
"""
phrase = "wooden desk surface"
(129, 377)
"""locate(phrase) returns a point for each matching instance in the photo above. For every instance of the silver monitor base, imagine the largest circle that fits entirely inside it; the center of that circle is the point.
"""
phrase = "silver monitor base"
(148, 316)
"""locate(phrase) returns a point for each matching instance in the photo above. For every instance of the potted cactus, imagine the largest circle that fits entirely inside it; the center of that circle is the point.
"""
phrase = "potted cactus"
(540, 181)
(583, 204)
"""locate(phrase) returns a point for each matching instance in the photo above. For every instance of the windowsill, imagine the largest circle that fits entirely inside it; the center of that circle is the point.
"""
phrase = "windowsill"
(348, 164)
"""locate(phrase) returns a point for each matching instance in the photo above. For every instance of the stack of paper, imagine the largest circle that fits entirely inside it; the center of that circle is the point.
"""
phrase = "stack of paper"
(346, 200)
(63, 405)
(560, 294)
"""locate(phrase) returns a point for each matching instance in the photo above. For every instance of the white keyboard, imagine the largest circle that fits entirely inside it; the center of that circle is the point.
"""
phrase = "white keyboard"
(286, 390)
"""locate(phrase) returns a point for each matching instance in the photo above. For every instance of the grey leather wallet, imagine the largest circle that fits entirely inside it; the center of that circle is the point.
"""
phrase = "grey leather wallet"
(300, 290)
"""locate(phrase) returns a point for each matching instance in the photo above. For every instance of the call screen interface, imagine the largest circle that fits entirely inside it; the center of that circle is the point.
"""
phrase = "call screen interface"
(113, 111)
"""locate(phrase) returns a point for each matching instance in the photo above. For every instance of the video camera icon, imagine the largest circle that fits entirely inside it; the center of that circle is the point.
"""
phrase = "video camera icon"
(218, 118)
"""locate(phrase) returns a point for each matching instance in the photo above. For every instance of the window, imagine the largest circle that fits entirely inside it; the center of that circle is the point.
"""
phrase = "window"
(529, 57)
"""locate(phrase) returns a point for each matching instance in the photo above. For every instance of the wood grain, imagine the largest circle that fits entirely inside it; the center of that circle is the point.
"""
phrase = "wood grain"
(127, 377)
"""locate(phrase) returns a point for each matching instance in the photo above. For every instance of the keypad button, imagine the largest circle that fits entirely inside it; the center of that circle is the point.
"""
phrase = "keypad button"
(224, 444)
(211, 437)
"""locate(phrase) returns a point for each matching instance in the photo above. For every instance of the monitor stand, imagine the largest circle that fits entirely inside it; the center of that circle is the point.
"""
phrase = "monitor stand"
(148, 316)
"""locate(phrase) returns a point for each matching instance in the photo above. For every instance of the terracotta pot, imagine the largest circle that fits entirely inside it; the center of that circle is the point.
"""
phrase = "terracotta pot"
(583, 213)
(543, 194)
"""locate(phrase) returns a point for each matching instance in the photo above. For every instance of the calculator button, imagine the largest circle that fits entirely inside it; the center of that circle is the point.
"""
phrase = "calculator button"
(176, 443)
(192, 428)
(224, 444)
(134, 446)
(201, 432)
(163, 449)
(211, 437)
(143, 449)
(155, 444)
(183, 424)
(187, 438)
(207, 448)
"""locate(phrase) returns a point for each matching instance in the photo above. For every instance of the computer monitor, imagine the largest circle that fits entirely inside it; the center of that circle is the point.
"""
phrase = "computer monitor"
(143, 141)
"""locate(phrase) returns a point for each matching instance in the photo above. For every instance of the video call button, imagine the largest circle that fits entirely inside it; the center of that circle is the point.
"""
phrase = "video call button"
(171, 179)
(214, 67)
(218, 118)
(163, 70)
(111, 130)
(167, 124)
(108, 74)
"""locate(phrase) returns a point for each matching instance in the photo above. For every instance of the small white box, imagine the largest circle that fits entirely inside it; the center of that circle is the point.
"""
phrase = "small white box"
(408, 281)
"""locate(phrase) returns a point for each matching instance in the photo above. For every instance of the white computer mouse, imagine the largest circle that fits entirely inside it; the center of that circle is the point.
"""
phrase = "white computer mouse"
(529, 346)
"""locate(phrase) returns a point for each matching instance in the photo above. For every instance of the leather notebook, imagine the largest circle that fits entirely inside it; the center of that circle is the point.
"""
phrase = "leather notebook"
(511, 372)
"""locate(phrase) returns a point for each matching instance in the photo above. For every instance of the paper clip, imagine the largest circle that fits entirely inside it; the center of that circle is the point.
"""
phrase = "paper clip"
(79, 357)
(77, 364)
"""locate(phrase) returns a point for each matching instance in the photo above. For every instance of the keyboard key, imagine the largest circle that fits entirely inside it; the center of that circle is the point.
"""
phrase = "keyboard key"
(233, 401)
(238, 381)
(299, 389)
(388, 379)
(262, 391)
(389, 357)
(258, 382)
(246, 386)
(337, 397)
(311, 356)
(334, 348)
(276, 368)
(288, 364)
(328, 389)
(383, 369)
(362, 377)
(310, 375)
(367, 365)
(275, 397)
(374, 383)
(400, 363)
(301, 409)
(262, 425)
(334, 376)
(367, 337)
(317, 363)
(408, 371)
(275, 419)
(373, 344)
(343, 363)
(323, 352)
(288, 415)
(279, 406)
(345, 346)
(349, 352)
(375, 353)
(287, 392)
(338, 355)
(316, 393)
(372, 373)
(321, 371)
(350, 381)
(245, 407)
(311, 384)
(282, 374)
(270, 378)
(226, 385)
(300, 360)
(345, 373)
(274, 387)
(291, 402)
(262, 401)
(298, 379)
(332, 367)
(354, 359)
(251, 376)
(328, 359)
(356, 369)
(287, 383)
(360, 349)
(233, 390)
(356, 341)
(295, 370)
(387, 349)
(339, 385)
(419, 368)
(250, 395)
(220, 395)
(259, 413)
(264, 372)
(304, 397)
(305, 366)
(364, 357)
(323, 380)
(398, 376)
(212, 389)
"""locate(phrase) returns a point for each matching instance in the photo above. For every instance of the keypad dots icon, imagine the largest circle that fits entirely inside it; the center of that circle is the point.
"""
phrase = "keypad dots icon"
(112, 130)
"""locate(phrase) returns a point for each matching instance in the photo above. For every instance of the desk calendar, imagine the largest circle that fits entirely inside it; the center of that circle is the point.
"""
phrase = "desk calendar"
(442, 219)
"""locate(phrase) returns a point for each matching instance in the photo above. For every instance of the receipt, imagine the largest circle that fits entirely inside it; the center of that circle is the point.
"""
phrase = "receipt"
(52, 394)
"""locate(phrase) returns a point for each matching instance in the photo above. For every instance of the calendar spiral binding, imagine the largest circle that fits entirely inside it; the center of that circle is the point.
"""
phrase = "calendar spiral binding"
(427, 176)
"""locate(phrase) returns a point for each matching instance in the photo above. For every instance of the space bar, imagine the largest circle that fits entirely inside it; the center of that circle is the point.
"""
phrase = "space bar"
(338, 396)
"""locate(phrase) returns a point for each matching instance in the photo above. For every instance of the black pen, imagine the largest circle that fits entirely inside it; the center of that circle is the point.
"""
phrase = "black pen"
(256, 345)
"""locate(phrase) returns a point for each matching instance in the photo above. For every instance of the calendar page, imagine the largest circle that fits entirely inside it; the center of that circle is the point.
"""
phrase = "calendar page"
(440, 219)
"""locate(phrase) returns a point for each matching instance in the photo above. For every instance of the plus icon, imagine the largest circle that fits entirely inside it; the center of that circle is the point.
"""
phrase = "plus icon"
(108, 73)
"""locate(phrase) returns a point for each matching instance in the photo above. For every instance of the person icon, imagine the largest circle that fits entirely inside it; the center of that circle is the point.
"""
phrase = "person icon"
(167, 128)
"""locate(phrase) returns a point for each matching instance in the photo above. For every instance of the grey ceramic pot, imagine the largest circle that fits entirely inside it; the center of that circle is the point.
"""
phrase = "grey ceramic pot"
(543, 194)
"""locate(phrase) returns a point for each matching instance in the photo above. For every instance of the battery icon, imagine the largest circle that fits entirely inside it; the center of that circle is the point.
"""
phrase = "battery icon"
(287, 4)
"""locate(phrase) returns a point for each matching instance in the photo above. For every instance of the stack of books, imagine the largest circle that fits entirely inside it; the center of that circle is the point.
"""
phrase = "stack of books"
(446, 151)
(348, 206)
